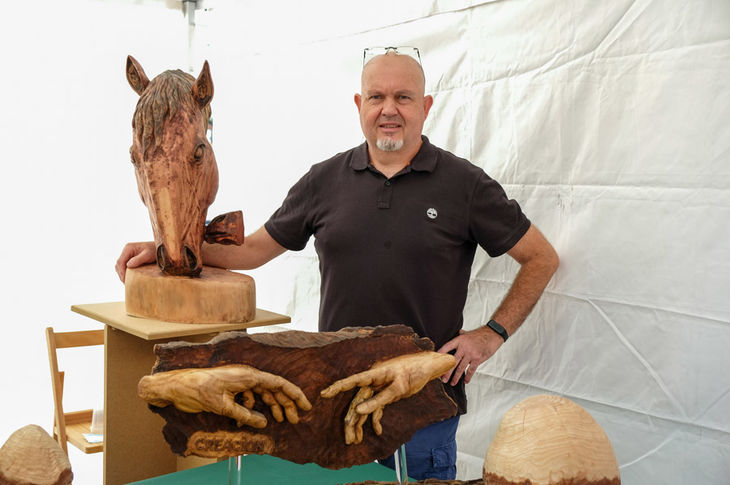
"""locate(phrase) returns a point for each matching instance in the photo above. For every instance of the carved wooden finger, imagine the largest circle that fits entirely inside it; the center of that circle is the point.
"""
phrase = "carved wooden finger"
(248, 399)
(269, 400)
(357, 429)
(242, 414)
(290, 409)
(377, 416)
(311, 361)
(353, 420)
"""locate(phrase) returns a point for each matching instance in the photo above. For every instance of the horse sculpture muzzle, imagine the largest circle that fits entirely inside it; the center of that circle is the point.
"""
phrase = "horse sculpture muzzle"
(176, 171)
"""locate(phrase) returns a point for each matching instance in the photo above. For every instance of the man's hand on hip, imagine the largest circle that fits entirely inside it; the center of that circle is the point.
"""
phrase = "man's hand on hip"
(472, 349)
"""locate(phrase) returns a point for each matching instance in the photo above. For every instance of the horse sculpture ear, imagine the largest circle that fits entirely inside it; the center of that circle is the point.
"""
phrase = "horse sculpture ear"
(203, 87)
(136, 76)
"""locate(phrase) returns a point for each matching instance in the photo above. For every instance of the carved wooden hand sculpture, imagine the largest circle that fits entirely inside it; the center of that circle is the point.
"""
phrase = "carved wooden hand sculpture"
(312, 361)
(213, 389)
(393, 379)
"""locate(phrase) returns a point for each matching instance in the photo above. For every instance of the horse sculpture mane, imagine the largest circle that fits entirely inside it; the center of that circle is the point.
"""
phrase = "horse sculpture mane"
(166, 95)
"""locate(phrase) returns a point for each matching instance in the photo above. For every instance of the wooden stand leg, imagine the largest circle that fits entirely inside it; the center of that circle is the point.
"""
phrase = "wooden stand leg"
(134, 448)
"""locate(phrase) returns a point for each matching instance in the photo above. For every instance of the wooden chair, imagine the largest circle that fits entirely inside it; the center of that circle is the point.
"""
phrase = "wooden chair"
(70, 426)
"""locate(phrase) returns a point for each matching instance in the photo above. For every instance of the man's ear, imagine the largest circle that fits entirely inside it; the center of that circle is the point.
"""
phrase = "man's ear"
(427, 103)
(358, 101)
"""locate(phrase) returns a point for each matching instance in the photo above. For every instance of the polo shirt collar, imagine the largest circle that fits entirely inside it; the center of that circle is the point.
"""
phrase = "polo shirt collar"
(424, 161)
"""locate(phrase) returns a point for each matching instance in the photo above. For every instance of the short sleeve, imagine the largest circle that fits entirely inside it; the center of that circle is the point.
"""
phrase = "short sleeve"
(291, 225)
(496, 223)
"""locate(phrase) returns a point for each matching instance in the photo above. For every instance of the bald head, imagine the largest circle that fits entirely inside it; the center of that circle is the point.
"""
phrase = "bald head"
(390, 61)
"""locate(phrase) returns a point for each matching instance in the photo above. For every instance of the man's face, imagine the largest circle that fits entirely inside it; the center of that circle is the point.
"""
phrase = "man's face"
(392, 104)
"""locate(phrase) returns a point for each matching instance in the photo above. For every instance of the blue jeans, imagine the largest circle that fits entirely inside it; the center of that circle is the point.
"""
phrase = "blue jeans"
(431, 452)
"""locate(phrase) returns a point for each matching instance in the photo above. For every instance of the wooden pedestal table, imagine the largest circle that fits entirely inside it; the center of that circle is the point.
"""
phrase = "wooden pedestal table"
(134, 448)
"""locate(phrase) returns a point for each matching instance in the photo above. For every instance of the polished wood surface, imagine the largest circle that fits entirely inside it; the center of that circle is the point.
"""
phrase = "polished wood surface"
(115, 315)
(546, 440)
(329, 384)
(216, 296)
(31, 456)
(176, 170)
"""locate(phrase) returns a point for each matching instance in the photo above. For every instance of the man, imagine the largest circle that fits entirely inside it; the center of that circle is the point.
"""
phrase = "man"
(396, 223)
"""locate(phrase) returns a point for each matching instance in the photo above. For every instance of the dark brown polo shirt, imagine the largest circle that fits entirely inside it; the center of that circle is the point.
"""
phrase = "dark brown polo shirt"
(397, 250)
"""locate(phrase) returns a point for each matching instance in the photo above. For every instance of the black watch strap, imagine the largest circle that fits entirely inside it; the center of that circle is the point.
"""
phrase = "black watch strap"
(498, 328)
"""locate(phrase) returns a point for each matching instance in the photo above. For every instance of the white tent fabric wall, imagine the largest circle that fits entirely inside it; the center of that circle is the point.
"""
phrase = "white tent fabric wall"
(608, 122)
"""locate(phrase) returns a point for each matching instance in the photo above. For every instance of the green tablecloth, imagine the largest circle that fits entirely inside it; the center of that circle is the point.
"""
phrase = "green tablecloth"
(269, 470)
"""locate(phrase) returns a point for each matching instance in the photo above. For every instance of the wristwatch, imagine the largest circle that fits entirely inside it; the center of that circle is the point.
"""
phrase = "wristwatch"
(498, 328)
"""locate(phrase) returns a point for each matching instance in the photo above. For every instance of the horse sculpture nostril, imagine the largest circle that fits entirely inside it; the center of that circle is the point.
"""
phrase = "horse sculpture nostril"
(163, 261)
(190, 258)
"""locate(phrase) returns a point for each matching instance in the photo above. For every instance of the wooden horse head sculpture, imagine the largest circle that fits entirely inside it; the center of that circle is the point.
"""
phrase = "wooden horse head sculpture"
(176, 171)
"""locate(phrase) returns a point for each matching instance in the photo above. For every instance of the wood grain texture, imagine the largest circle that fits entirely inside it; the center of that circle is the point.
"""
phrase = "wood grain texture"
(226, 229)
(492, 479)
(550, 440)
(31, 456)
(216, 296)
(312, 361)
(174, 164)
(115, 315)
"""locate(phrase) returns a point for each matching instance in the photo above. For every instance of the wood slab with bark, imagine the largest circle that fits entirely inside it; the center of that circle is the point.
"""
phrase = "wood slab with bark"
(313, 362)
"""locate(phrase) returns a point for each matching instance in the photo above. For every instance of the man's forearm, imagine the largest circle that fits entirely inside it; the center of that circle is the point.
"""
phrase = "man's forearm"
(524, 293)
(538, 261)
(257, 249)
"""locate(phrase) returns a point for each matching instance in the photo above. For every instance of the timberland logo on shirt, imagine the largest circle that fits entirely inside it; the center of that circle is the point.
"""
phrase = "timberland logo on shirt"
(432, 213)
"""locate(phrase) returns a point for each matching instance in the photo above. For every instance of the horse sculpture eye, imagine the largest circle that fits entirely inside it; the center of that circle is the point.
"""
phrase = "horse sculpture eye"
(131, 156)
(198, 154)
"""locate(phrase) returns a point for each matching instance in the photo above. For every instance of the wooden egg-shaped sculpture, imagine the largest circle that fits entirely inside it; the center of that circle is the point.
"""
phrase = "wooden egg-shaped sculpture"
(31, 456)
(550, 440)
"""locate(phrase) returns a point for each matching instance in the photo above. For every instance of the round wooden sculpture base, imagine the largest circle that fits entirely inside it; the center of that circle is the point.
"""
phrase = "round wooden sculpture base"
(216, 296)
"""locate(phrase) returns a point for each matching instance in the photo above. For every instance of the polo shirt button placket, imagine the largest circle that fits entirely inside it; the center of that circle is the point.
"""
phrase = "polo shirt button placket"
(385, 195)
